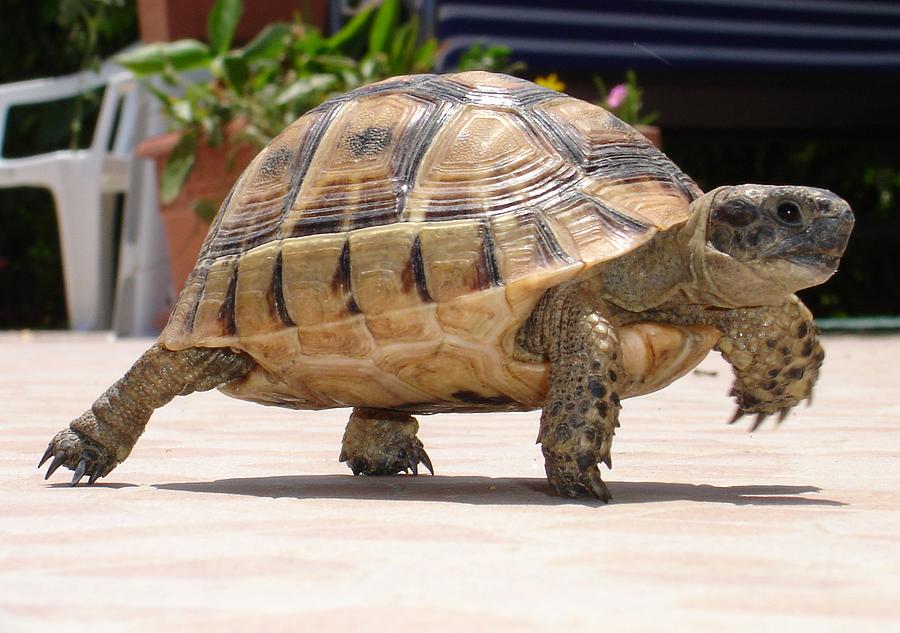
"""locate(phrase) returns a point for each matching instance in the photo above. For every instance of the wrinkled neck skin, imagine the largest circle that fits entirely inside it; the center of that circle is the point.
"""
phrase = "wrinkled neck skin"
(679, 268)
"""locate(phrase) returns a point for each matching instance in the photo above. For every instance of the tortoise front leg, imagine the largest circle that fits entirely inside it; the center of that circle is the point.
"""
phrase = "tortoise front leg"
(581, 410)
(776, 356)
(104, 435)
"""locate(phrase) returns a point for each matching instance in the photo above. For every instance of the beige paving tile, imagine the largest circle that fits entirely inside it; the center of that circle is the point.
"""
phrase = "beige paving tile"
(236, 517)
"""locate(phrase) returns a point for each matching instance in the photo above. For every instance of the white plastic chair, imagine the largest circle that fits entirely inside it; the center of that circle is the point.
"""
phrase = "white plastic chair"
(142, 297)
(84, 183)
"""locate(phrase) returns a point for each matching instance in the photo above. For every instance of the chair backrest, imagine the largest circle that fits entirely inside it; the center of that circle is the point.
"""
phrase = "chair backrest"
(114, 130)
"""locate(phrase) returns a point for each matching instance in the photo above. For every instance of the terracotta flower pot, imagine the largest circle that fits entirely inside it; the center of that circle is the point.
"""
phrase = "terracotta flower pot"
(168, 20)
(653, 134)
(215, 170)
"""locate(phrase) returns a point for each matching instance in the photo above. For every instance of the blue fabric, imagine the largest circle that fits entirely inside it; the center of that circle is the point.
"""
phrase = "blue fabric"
(679, 33)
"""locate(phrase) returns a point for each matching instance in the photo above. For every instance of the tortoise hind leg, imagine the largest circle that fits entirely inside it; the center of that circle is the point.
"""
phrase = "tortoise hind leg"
(104, 435)
(381, 442)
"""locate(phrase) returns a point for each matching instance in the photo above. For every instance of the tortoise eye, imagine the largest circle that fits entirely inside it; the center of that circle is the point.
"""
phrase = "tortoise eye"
(789, 213)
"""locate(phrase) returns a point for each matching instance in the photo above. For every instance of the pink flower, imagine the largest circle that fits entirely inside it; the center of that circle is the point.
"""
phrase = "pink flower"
(617, 96)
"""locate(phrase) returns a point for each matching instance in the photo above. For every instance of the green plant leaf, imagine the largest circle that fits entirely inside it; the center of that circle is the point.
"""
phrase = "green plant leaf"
(186, 54)
(312, 42)
(268, 43)
(177, 168)
(235, 71)
(156, 58)
(424, 58)
(146, 60)
(222, 23)
(182, 111)
(205, 209)
(307, 88)
(369, 67)
(602, 90)
(350, 38)
(403, 47)
(494, 58)
(167, 101)
(384, 26)
(334, 62)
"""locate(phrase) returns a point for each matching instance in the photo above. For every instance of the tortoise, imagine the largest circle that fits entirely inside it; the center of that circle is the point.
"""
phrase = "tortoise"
(475, 242)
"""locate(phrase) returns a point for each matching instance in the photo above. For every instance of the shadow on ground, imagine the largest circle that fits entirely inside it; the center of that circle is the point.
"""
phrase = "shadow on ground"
(494, 491)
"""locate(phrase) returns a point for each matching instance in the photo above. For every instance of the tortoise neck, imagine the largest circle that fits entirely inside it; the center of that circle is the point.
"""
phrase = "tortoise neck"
(650, 276)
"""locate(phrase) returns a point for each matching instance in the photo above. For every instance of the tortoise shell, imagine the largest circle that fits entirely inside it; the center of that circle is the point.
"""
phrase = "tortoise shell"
(385, 249)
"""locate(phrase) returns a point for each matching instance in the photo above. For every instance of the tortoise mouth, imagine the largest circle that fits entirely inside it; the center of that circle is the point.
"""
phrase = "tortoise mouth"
(820, 246)
(825, 262)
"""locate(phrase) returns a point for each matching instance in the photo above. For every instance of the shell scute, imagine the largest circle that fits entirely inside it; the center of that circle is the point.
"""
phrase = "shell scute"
(476, 317)
(404, 326)
(622, 169)
(256, 309)
(389, 283)
(214, 318)
(354, 179)
(459, 258)
(382, 267)
(483, 162)
(348, 338)
(253, 213)
(310, 268)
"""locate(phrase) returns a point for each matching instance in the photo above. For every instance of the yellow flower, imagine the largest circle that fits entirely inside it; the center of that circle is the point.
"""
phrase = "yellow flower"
(551, 81)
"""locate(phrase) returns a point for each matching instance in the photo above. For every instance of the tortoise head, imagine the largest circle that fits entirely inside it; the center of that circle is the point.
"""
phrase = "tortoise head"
(756, 244)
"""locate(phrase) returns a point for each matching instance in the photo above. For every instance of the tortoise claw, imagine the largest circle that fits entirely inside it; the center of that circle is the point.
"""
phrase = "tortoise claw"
(96, 474)
(415, 455)
(596, 485)
(389, 460)
(760, 418)
(569, 480)
(56, 463)
(47, 455)
(81, 454)
(423, 457)
(79, 472)
(738, 414)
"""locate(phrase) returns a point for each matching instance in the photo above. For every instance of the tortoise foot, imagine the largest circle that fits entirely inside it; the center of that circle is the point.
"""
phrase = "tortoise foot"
(79, 453)
(380, 442)
(570, 478)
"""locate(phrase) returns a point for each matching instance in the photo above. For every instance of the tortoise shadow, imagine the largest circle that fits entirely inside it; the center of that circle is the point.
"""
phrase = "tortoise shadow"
(479, 490)
(99, 484)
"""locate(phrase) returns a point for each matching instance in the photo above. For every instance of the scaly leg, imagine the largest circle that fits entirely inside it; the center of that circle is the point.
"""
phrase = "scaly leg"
(581, 410)
(104, 435)
(776, 356)
(774, 351)
(380, 442)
